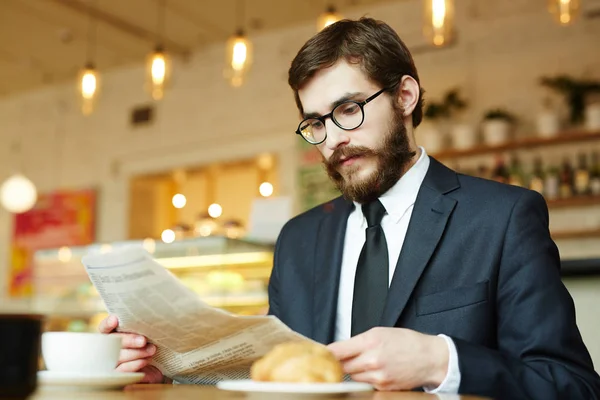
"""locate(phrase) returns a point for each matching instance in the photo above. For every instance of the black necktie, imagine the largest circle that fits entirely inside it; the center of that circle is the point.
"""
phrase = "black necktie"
(371, 279)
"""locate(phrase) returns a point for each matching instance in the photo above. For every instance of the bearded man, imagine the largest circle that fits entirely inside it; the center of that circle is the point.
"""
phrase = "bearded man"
(417, 277)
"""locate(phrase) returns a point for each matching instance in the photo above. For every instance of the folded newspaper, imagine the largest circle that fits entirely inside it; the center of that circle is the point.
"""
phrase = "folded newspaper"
(196, 343)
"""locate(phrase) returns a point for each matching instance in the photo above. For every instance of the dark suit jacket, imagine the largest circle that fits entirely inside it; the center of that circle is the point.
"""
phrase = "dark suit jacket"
(478, 264)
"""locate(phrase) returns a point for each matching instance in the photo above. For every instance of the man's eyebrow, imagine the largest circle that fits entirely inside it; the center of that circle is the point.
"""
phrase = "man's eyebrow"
(345, 97)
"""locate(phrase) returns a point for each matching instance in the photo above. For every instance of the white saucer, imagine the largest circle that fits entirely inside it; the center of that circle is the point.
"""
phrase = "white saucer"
(87, 381)
(248, 385)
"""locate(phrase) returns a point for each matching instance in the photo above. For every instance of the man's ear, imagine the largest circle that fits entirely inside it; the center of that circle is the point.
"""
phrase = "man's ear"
(408, 94)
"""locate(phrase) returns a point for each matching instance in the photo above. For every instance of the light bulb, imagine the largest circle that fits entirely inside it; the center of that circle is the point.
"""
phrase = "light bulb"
(564, 11)
(240, 51)
(329, 17)
(88, 84)
(168, 236)
(438, 17)
(179, 201)
(88, 88)
(64, 254)
(239, 58)
(438, 26)
(18, 194)
(215, 210)
(149, 245)
(265, 189)
(158, 71)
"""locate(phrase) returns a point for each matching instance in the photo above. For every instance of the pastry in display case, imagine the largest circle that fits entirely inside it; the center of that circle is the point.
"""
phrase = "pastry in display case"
(227, 273)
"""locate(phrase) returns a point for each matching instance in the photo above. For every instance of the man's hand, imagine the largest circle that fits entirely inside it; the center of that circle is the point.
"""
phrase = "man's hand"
(136, 352)
(394, 358)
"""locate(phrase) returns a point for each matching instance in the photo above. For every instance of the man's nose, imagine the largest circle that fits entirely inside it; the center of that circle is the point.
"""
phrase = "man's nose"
(336, 136)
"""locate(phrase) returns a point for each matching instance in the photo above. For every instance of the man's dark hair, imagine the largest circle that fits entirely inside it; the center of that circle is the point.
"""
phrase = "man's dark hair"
(372, 44)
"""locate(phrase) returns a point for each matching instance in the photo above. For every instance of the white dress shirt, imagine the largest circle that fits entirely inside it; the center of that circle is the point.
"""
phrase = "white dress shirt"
(399, 202)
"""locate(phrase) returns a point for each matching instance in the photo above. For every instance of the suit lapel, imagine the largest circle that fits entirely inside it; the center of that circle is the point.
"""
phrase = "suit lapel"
(328, 263)
(429, 218)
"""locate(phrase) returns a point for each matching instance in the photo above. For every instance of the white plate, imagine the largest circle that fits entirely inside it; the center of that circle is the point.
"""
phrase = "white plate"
(81, 381)
(248, 385)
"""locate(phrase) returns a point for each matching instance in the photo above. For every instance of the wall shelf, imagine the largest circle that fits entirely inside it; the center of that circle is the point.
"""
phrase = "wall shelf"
(584, 201)
(576, 234)
(566, 137)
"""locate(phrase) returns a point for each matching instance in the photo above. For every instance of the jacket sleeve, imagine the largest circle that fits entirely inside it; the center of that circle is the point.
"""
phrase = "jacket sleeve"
(273, 289)
(540, 352)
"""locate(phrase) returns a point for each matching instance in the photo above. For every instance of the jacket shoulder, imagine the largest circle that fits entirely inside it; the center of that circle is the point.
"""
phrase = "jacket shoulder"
(488, 192)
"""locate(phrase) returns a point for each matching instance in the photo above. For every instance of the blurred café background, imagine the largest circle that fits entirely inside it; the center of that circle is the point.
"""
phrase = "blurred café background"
(169, 123)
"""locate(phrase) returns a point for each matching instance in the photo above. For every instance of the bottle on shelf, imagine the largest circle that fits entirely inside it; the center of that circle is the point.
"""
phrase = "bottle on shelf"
(595, 174)
(537, 181)
(500, 172)
(581, 181)
(566, 179)
(551, 183)
(516, 175)
(483, 171)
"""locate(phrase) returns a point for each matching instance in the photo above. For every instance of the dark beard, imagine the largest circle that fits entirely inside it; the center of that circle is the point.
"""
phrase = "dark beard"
(392, 157)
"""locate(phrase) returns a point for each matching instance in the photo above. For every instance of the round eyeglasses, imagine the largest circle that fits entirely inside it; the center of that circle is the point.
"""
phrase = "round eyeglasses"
(347, 115)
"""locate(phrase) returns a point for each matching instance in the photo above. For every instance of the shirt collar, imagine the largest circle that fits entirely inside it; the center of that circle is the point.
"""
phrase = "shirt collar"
(400, 197)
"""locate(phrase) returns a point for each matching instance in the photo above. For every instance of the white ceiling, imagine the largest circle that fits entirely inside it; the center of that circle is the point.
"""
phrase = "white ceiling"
(45, 41)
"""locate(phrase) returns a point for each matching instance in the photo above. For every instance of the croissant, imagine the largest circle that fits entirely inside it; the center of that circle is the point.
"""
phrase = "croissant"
(298, 362)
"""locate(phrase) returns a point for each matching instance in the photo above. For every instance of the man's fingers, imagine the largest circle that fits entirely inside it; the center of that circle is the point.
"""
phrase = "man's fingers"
(108, 324)
(375, 378)
(152, 375)
(135, 354)
(129, 340)
(132, 341)
(349, 348)
(133, 366)
(361, 363)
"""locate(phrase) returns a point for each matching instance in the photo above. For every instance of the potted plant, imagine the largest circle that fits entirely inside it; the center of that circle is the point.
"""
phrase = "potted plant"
(548, 121)
(431, 132)
(463, 134)
(592, 113)
(436, 124)
(497, 126)
(577, 93)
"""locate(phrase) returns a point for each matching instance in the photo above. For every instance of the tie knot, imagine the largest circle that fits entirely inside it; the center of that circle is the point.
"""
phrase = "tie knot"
(373, 212)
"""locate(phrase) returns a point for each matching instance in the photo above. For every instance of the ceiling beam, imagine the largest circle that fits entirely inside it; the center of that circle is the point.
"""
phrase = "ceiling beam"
(122, 25)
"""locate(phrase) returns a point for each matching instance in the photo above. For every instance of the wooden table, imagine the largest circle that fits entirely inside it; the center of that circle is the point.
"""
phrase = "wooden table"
(194, 392)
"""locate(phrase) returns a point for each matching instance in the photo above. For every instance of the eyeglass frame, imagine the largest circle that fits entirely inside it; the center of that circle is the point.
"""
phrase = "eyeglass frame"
(322, 118)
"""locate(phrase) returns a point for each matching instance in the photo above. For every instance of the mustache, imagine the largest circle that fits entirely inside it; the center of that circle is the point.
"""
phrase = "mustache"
(345, 152)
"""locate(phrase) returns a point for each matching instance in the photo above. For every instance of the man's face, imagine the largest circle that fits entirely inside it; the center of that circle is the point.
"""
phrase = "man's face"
(365, 162)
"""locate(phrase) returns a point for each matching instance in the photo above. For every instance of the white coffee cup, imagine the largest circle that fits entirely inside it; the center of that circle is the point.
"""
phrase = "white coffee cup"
(79, 352)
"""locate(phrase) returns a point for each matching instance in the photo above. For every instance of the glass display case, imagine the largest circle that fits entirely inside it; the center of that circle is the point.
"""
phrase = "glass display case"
(227, 273)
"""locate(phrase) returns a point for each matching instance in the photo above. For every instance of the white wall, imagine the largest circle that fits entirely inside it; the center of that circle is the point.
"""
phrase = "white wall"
(502, 50)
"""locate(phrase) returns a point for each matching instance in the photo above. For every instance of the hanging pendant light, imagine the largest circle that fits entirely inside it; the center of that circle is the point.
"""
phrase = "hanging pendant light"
(158, 70)
(239, 52)
(439, 21)
(265, 163)
(158, 65)
(18, 194)
(88, 87)
(564, 11)
(88, 77)
(330, 16)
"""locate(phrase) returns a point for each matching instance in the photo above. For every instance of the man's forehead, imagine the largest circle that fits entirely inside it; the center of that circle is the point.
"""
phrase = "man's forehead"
(332, 84)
